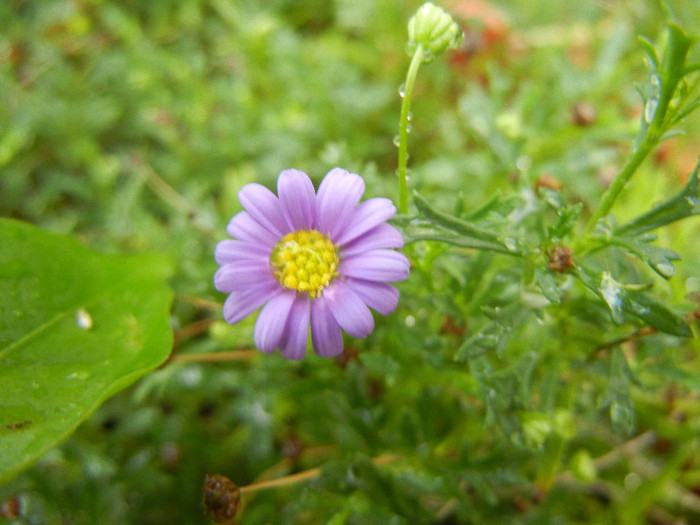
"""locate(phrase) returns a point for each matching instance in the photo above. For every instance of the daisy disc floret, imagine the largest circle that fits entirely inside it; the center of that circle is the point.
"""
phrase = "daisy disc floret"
(310, 259)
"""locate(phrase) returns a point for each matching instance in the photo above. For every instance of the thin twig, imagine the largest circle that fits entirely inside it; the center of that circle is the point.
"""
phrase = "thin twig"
(173, 198)
(214, 357)
(304, 475)
(205, 304)
(630, 448)
(196, 328)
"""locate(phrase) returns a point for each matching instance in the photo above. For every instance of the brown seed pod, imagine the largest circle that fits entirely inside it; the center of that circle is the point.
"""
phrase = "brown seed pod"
(221, 498)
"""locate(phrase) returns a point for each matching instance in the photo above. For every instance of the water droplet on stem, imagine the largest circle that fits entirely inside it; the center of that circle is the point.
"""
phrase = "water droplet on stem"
(650, 110)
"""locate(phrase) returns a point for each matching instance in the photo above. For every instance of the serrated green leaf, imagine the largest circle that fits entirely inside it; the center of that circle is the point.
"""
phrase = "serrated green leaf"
(552, 197)
(658, 258)
(75, 327)
(490, 206)
(617, 393)
(567, 220)
(455, 240)
(672, 68)
(465, 231)
(382, 365)
(612, 293)
(655, 314)
(546, 282)
(494, 336)
(625, 299)
(568, 215)
(684, 204)
(649, 49)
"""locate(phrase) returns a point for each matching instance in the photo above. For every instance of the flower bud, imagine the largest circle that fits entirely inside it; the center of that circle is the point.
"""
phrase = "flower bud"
(434, 29)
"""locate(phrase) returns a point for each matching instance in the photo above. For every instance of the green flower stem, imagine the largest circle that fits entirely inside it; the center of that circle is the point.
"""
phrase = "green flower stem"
(403, 127)
(670, 72)
(623, 177)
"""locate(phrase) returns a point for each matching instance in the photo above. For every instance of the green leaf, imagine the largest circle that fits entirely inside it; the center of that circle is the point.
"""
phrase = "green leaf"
(75, 328)
(546, 282)
(658, 258)
(466, 233)
(666, 77)
(655, 314)
(455, 240)
(612, 293)
(617, 394)
(627, 300)
(382, 365)
(568, 215)
(494, 336)
(567, 220)
(649, 49)
(684, 204)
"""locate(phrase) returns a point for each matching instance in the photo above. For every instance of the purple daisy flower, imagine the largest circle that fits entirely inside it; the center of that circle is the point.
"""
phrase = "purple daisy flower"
(318, 259)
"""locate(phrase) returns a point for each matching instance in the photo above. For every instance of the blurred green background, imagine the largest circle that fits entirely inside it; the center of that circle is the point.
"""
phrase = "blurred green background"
(134, 124)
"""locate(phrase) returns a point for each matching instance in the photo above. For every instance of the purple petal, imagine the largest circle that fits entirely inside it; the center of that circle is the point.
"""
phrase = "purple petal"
(376, 265)
(296, 336)
(240, 305)
(366, 216)
(298, 199)
(240, 274)
(381, 297)
(242, 226)
(269, 328)
(352, 314)
(264, 207)
(382, 236)
(325, 330)
(338, 194)
(227, 251)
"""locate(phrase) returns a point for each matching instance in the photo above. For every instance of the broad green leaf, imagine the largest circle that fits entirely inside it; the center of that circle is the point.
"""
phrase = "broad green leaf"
(76, 327)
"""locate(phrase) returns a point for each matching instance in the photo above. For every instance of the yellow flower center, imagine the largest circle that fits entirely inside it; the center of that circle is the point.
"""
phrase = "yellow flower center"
(304, 260)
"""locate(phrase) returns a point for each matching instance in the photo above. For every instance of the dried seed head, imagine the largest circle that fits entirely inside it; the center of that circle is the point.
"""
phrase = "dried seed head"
(221, 498)
(560, 259)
